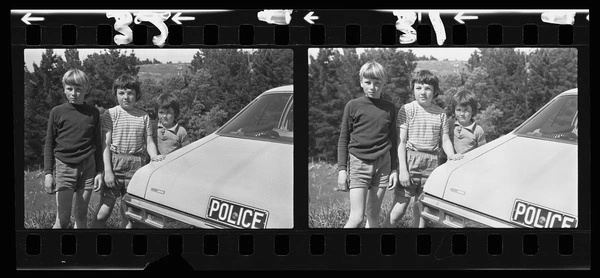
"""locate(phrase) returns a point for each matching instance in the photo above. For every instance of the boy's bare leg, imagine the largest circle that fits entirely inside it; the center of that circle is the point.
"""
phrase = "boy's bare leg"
(125, 223)
(64, 201)
(103, 211)
(80, 208)
(374, 199)
(400, 204)
(358, 197)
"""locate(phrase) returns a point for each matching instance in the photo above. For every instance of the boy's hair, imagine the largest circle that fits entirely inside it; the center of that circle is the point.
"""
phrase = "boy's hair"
(166, 101)
(425, 77)
(75, 77)
(126, 81)
(373, 70)
(465, 98)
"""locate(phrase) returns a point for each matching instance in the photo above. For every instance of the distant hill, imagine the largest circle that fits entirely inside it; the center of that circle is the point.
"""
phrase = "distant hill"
(159, 72)
(442, 68)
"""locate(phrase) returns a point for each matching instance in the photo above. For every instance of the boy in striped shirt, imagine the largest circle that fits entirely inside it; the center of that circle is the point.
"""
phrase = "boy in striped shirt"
(421, 123)
(127, 137)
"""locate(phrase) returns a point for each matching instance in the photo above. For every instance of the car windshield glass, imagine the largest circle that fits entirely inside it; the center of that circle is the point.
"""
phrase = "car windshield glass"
(557, 121)
(270, 117)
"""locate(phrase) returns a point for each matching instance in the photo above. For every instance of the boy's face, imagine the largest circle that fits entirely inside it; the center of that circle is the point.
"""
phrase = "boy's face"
(166, 117)
(126, 98)
(463, 114)
(423, 94)
(372, 87)
(75, 93)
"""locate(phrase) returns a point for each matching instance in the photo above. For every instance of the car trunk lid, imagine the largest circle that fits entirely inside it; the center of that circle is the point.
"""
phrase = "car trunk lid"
(229, 170)
(534, 171)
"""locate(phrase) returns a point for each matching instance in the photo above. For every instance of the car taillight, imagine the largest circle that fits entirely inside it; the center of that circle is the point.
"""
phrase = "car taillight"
(456, 221)
(431, 213)
(474, 224)
(134, 213)
(446, 219)
(155, 220)
(453, 220)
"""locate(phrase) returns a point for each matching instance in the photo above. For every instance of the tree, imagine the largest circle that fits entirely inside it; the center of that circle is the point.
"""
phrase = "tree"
(474, 61)
(490, 119)
(72, 59)
(103, 68)
(334, 80)
(326, 103)
(238, 76)
(507, 77)
(550, 72)
(197, 62)
(399, 66)
(43, 90)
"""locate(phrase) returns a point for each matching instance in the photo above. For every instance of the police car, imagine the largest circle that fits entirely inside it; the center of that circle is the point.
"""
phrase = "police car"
(524, 179)
(240, 176)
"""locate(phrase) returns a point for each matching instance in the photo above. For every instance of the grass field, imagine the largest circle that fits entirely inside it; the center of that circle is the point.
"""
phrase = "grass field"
(40, 207)
(159, 72)
(329, 208)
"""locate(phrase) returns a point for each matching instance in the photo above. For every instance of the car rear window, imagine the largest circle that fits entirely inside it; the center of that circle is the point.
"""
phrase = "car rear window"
(269, 117)
(556, 121)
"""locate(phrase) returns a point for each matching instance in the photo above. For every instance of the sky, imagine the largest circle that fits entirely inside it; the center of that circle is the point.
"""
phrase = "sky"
(185, 55)
(163, 55)
(440, 53)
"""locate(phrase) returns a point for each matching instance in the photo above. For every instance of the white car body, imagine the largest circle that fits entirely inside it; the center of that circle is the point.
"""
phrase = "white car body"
(516, 180)
(223, 181)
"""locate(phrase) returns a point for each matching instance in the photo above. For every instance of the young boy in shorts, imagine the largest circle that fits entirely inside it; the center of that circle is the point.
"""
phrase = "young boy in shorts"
(170, 135)
(127, 137)
(421, 124)
(367, 143)
(73, 150)
(465, 133)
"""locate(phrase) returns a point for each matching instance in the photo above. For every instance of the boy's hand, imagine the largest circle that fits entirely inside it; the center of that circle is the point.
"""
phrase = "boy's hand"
(341, 182)
(158, 157)
(456, 156)
(109, 180)
(404, 179)
(98, 180)
(48, 184)
(393, 180)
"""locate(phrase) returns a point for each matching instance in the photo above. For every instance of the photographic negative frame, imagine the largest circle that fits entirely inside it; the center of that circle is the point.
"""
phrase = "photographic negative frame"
(302, 245)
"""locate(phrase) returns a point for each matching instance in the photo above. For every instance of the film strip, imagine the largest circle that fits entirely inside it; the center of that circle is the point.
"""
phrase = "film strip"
(544, 223)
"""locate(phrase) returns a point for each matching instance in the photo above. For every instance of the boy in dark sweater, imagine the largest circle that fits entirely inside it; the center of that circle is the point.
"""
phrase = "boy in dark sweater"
(73, 151)
(367, 148)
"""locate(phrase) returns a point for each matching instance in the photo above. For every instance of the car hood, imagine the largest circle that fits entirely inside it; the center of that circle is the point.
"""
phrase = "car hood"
(492, 177)
(250, 172)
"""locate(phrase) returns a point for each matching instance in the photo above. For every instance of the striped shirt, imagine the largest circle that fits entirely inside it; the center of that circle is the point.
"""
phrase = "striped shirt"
(425, 126)
(129, 129)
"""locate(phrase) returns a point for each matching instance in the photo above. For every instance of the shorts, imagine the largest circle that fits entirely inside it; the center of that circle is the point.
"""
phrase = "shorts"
(123, 166)
(420, 165)
(75, 176)
(366, 174)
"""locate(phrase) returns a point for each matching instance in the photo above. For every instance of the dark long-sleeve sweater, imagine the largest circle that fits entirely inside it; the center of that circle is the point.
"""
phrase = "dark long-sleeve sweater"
(73, 134)
(368, 131)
